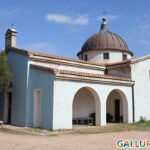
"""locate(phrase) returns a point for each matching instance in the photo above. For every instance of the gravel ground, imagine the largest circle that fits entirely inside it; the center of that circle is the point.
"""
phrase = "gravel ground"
(103, 141)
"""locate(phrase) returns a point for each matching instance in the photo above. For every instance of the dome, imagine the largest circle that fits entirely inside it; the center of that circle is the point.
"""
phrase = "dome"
(105, 40)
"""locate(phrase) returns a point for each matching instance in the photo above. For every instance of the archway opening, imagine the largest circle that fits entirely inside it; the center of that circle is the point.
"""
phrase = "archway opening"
(86, 107)
(117, 107)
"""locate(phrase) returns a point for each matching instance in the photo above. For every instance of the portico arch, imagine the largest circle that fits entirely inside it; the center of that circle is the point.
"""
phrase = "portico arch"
(86, 102)
(117, 107)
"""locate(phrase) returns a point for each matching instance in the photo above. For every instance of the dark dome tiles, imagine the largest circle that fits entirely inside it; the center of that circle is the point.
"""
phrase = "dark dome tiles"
(118, 44)
(114, 45)
(110, 40)
(115, 40)
(88, 44)
(121, 43)
(96, 42)
(100, 42)
(125, 45)
(105, 41)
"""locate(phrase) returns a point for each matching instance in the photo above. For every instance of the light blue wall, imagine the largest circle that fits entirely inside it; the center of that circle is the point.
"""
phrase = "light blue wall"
(44, 80)
(25, 80)
(18, 66)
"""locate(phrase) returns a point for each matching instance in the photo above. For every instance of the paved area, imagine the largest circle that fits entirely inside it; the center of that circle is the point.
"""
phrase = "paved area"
(104, 141)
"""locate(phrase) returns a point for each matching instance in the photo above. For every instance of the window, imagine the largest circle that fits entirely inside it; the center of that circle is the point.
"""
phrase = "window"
(124, 56)
(85, 57)
(106, 55)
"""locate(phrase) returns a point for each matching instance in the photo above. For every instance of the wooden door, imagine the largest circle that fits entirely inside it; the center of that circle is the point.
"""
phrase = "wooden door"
(117, 110)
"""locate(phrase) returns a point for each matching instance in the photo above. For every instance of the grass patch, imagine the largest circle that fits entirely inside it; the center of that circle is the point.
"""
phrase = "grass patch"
(4, 130)
(138, 126)
(142, 123)
(28, 131)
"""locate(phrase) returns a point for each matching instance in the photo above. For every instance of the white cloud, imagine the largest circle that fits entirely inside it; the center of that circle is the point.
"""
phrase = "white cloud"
(43, 46)
(109, 17)
(59, 18)
(7, 12)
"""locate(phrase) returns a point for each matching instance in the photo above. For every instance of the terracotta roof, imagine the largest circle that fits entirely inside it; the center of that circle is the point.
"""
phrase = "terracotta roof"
(53, 56)
(128, 61)
(28, 52)
(93, 75)
(118, 63)
(76, 60)
(139, 59)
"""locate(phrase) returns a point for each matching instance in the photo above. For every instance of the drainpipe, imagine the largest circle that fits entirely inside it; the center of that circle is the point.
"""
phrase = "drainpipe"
(133, 108)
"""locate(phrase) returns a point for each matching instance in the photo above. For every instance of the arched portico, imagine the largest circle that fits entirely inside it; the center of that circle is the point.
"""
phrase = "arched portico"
(86, 104)
(116, 107)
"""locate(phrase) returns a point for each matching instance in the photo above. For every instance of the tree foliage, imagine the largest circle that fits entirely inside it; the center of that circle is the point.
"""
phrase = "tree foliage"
(5, 75)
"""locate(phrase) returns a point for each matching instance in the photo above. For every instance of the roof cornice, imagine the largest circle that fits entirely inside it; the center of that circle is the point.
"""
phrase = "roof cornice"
(38, 56)
(86, 77)
(139, 59)
(105, 49)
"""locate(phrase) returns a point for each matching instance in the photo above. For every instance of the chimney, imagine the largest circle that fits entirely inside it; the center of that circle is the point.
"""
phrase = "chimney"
(10, 38)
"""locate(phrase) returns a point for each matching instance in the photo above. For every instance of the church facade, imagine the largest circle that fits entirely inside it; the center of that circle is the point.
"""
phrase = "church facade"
(53, 92)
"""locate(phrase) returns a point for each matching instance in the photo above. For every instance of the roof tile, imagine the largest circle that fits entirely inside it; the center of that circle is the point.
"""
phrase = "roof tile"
(96, 75)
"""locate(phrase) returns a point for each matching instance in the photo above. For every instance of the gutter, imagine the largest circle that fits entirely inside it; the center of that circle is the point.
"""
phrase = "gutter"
(133, 103)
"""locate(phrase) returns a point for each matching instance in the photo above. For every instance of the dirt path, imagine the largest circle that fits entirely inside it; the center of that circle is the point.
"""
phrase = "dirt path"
(105, 141)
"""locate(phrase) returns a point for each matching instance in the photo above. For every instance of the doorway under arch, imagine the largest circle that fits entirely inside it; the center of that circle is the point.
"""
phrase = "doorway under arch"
(86, 107)
(117, 107)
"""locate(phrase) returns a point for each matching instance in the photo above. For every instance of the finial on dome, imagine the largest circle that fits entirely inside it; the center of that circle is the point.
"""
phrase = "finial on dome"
(104, 19)
(104, 27)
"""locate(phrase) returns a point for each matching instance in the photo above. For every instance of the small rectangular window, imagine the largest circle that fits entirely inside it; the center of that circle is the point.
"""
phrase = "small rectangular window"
(106, 55)
(124, 56)
(85, 57)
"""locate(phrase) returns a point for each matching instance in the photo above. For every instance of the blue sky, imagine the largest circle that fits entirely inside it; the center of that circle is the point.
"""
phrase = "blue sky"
(61, 26)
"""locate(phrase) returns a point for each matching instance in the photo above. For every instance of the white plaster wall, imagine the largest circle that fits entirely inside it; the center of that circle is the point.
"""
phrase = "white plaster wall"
(97, 56)
(13, 41)
(67, 67)
(141, 76)
(128, 56)
(83, 104)
(121, 72)
(64, 92)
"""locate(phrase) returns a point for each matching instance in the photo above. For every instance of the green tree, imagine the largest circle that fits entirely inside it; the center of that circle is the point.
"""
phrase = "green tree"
(5, 75)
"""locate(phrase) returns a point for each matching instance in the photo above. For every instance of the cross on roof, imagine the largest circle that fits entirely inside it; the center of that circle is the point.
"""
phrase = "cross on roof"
(104, 14)
(12, 25)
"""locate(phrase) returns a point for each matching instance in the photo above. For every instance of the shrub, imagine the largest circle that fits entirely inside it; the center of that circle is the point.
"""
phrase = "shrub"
(5, 75)
(142, 119)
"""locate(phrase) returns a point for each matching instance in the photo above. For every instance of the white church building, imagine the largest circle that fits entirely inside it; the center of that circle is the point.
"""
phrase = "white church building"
(53, 92)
